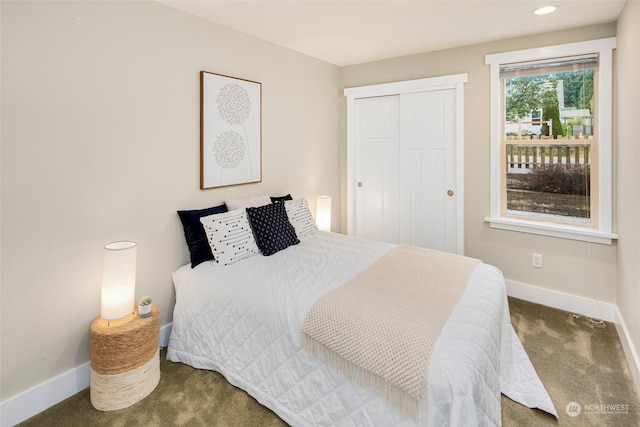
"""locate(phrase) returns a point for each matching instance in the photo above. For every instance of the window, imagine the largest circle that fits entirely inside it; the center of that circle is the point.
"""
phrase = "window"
(547, 115)
(551, 140)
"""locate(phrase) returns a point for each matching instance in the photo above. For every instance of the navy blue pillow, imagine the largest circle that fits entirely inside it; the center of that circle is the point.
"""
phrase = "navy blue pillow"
(281, 198)
(271, 228)
(194, 233)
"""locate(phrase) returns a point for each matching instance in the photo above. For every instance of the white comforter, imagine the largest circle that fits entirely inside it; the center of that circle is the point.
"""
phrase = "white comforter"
(243, 321)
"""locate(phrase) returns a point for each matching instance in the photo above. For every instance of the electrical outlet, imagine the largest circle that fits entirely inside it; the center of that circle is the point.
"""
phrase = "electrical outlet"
(536, 260)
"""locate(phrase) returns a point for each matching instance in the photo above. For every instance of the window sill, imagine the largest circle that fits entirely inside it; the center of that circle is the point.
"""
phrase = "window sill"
(552, 230)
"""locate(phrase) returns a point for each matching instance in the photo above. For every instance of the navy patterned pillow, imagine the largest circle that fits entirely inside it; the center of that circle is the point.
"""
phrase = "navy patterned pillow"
(271, 228)
(280, 198)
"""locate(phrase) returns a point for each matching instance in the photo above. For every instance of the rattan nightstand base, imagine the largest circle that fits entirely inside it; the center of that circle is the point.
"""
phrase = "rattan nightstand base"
(125, 360)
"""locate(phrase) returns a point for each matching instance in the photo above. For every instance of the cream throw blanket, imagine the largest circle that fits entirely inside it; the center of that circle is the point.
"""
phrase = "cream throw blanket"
(380, 327)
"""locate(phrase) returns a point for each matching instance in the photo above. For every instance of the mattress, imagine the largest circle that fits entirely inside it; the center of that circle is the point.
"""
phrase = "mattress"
(243, 320)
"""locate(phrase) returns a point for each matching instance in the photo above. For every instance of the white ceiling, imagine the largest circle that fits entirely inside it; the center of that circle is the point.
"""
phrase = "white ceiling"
(356, 31)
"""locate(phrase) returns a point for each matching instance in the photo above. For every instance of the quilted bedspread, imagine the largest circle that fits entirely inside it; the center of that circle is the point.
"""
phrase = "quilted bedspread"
(380, 327)
(244, 321)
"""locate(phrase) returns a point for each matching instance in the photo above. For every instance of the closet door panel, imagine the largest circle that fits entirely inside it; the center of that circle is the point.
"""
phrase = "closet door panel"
(377, 165)
(427, 172)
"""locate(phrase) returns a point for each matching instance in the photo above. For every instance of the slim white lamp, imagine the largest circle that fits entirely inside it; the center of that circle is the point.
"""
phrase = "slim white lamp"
(323, 213)
(118, 280)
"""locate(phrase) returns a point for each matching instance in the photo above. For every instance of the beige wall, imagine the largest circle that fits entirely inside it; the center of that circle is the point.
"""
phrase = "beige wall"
(100, 142)
(578, 268)
(628, 173)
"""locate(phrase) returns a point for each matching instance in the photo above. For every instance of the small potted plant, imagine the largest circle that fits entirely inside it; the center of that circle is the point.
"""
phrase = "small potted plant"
(144, 306)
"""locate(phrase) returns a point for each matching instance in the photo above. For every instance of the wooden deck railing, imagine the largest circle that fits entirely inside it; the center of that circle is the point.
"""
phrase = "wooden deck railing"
(531, 150)
(530, 156)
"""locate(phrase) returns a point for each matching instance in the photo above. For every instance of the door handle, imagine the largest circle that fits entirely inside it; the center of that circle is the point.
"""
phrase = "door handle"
(359, 183)
(450, 193)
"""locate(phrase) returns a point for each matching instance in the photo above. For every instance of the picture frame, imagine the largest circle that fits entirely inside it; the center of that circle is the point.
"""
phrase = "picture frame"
(230, 131)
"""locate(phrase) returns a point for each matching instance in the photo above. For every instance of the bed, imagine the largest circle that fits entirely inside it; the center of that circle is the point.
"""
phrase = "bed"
(244, 321)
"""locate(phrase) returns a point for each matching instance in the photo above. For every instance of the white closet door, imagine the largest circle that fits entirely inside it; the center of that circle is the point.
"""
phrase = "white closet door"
(405, 168)
(428, 170)
(377, 165)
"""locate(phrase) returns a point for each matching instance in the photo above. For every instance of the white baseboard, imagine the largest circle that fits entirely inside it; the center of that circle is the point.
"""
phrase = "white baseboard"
(35, 400)
(165, 332)
(629, 350)
(586, 307)
(563, 301)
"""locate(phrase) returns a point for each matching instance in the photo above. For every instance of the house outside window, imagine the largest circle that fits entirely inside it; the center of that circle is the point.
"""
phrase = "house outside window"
(551, 140)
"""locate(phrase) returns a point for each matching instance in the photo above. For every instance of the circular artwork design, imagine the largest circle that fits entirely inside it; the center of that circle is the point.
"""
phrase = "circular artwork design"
(234, 104)
(229, 149)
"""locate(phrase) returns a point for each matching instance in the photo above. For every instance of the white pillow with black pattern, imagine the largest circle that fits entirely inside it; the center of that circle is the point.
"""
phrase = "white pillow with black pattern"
(230, 236)
(300, 217)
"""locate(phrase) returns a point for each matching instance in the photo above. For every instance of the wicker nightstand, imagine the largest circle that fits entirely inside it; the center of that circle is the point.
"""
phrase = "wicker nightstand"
(125, 360)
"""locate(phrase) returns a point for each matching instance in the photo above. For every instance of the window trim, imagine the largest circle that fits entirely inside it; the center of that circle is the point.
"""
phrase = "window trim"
(601, 232)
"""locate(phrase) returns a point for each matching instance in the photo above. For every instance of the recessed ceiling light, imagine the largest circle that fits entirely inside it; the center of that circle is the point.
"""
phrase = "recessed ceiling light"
(544, 10)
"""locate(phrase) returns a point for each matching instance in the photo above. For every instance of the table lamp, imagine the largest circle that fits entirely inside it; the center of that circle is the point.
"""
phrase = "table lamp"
(323, 213)
(118, 280)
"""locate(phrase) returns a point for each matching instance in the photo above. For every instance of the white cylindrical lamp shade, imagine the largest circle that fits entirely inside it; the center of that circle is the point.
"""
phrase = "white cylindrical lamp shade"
(118, 280)
(323, 213)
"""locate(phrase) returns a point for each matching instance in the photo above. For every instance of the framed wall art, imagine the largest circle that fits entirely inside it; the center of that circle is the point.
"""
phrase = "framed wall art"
(230, 131)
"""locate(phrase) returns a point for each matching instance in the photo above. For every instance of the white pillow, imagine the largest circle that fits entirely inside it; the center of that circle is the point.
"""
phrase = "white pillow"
(249, 202)
(230, 236)
(300, 217)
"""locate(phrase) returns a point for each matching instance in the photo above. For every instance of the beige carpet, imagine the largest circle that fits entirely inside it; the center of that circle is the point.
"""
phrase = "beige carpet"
(576, 361)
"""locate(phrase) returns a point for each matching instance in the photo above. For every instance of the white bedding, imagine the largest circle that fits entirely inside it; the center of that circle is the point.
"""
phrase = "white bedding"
(243, 321)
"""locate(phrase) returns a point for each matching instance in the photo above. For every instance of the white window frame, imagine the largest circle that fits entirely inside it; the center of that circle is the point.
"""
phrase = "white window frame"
(602, 231)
